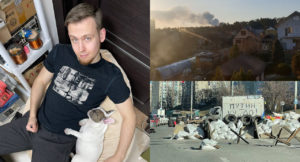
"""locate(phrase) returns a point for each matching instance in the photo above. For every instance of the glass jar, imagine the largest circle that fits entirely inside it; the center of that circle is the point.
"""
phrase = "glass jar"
(17, 53)
(34, 40)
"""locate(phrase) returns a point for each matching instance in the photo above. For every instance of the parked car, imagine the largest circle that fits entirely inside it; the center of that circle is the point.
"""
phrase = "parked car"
(153, 123)
(152, 126)
(163, 120)
(155, 119)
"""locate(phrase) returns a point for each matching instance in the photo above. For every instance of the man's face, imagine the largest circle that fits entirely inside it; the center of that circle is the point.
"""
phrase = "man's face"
(86, 40)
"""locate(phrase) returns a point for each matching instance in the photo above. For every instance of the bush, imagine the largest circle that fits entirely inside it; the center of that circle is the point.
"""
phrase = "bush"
(218, 74)
(241, 75)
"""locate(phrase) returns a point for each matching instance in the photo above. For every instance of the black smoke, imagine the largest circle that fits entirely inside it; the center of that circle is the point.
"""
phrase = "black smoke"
(182, 17)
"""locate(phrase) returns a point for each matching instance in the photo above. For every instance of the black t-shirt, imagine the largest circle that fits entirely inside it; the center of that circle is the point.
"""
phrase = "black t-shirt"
(76, 88)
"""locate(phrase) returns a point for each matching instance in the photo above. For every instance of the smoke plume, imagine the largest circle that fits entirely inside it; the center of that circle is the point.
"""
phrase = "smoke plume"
(182, 17)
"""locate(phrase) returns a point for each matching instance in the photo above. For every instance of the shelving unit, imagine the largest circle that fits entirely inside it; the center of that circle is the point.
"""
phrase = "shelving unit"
(18, 106)
(17, 70)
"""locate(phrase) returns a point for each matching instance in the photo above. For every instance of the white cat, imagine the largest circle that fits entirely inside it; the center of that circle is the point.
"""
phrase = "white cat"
(89, 144)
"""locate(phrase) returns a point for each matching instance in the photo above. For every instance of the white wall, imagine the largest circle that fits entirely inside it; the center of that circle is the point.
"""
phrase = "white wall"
(287, 43)
(50, 18)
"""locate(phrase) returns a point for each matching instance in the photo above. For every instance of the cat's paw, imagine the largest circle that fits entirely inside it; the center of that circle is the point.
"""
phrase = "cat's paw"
(68, 131)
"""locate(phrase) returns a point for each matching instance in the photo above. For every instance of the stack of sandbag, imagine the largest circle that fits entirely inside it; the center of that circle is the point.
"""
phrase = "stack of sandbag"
(290, 120)
(291, 116)
(193, 132)
(265, 127)
(182, 135)
(208, 144)
(220, 130)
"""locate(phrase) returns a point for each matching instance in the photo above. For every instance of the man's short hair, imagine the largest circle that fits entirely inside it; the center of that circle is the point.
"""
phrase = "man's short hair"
(82, 11)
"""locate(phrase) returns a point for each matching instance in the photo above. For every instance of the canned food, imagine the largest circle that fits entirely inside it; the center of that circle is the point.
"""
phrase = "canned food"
(17, 53)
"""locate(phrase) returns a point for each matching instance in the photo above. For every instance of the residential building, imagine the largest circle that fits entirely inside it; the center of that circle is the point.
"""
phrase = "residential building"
(177, 87)
(268, 39)
(154, 93)
(186, 94)
(218, 84)
(248, 40)
(162, 93)
(288, 30)
(199, 85)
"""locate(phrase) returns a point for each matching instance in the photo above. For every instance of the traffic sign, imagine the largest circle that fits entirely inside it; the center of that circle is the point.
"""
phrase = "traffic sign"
(296, 101)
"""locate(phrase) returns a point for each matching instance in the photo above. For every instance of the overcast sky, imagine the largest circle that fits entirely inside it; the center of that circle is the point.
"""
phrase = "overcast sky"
(211, 12)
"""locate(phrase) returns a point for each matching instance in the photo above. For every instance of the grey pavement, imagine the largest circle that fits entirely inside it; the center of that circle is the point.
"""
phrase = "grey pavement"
(162, 149)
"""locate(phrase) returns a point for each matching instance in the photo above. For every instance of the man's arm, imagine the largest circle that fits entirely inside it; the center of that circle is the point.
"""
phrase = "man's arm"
(37, 94)
(127, 112)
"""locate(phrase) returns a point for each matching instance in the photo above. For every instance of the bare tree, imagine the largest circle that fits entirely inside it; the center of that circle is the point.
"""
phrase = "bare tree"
(276, 91)
(170, 98)
(239, 89)
(222, 90)
(198, 96)
(203, 96)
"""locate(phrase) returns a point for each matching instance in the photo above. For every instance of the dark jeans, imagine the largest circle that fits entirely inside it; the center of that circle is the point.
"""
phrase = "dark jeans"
(46, 146)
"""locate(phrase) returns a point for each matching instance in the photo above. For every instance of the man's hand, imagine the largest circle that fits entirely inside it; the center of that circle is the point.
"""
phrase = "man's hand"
(113, 159)
(32, 125)
(38, 91)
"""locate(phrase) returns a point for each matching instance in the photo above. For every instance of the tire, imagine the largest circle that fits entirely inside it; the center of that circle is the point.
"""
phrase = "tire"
(246, 119)
(209, 119)
(230, 118)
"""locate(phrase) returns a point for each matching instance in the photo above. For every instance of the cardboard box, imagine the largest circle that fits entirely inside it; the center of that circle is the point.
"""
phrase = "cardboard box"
(29, 9)
(18, 14)
(12, 19)
(32, 73)
(4, 32)
(4, 35)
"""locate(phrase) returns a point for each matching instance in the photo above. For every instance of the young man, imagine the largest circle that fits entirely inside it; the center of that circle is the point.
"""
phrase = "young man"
(80, 79)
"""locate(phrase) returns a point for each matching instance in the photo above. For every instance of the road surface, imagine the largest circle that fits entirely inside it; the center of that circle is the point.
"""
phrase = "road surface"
(162, 149)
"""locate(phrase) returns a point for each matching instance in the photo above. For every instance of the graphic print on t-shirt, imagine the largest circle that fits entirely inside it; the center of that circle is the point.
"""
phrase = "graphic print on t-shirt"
(73, 85)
